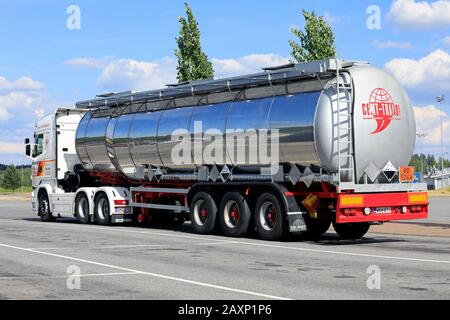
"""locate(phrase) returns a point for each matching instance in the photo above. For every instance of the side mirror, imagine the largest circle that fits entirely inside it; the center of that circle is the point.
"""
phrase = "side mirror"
(28, 150)
(27, 147)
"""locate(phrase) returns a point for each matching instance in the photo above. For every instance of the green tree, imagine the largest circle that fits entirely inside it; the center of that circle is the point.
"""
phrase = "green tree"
(193, 63)
(316, 42)
(415, 162)
(10, 179)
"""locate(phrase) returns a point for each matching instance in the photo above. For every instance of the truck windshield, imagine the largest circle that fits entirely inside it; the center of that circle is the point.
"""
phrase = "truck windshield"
(38, 145)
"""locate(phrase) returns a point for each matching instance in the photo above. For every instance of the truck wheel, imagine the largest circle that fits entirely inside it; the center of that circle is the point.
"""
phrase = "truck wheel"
(351, 230)
(269, 217)
(102, 211)
(203, 213)
(234, 215)
(44, 208)
(82, 208)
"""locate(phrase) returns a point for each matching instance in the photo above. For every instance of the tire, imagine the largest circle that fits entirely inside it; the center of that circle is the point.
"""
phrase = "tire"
(351, 230)
(203, 213)
(82, 208)
(317, 227)
(102, 210)
(44, 208)
(234, 215)
(269, 217)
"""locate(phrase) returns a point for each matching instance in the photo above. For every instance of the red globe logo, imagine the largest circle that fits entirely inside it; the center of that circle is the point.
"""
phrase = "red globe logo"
(380, 95)
(382, 108)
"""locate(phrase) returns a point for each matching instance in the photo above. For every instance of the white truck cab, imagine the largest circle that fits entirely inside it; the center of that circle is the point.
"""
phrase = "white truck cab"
(57, 192)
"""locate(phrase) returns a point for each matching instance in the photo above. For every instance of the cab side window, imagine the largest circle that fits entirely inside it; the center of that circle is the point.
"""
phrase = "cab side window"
(38, 145)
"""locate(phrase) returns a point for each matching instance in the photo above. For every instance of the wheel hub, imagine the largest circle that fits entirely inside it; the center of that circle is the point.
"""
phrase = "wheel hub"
(268, 216)
(232, 214)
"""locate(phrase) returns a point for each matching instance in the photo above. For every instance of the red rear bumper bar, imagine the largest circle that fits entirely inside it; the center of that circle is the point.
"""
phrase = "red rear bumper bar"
(377, 207)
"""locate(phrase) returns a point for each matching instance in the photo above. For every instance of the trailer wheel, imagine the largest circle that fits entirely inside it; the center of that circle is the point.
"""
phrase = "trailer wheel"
(351, 230)
(269, 217)
(82, 208)
(44, 208)
(234, 215)
(203, 213)
(102, 211)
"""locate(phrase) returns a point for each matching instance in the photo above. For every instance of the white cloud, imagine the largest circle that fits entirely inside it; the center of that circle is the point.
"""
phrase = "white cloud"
(129, 74)
(412, 14)
(428, 123)
(22, 93)
(90, 63)
(9, 148)
(392, 45)
(247, 64)
(18, 99)
(429, 72)
(22, 83)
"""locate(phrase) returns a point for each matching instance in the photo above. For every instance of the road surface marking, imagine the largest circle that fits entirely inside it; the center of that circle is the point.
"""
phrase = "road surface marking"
(71, 275)
(155, 275)
(105, 247)
(203, 238)
(281, 247)
(131, 246)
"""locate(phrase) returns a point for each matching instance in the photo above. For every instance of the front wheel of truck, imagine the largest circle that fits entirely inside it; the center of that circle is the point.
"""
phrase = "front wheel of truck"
(44, 208)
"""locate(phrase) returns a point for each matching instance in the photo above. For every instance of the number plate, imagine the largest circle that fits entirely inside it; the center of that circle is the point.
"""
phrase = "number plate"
(384, 210)
(123, 210)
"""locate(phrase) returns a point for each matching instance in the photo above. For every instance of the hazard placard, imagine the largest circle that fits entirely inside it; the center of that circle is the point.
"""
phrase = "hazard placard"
(406, 174)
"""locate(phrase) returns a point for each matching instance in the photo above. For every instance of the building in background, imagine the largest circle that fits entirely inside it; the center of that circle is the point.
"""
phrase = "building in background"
(434, 180)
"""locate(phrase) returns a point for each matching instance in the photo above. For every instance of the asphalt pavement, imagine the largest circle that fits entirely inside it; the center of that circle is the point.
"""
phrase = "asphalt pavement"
(65, 260)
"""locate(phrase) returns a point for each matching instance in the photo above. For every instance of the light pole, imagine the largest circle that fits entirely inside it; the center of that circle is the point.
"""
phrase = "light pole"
(439, 100)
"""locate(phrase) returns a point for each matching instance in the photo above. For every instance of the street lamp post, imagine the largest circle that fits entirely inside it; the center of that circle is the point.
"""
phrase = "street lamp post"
(441, 99)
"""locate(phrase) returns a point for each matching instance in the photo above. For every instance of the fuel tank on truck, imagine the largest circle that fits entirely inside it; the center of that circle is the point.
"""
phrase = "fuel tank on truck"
(379, 126)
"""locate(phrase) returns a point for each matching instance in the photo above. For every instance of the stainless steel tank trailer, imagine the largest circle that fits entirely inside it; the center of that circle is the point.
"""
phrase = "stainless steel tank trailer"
(344, 133)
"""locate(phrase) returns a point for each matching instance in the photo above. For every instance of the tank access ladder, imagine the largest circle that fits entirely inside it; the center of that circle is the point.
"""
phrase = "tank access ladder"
(344, 110)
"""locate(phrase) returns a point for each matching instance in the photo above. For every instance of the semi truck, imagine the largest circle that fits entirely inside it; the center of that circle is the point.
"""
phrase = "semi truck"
(291, 149)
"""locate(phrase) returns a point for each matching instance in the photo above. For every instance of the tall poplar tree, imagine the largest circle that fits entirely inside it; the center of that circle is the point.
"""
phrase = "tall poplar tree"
(316, 42)
(193, 63)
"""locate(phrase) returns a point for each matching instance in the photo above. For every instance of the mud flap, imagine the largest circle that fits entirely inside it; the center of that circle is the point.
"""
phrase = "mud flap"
(296, 222)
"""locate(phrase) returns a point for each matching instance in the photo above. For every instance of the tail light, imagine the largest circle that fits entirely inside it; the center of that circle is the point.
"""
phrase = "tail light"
(350, 212)
(121, 202)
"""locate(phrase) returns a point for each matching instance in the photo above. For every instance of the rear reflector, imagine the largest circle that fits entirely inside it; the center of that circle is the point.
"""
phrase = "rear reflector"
(121, 202)
(352, 200)
(418, 197)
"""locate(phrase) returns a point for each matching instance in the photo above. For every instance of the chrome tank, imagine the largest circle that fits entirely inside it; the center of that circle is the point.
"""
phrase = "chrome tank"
(307, 124)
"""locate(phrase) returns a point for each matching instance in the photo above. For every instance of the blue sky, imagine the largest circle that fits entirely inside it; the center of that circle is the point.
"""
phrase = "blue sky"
(129, 45)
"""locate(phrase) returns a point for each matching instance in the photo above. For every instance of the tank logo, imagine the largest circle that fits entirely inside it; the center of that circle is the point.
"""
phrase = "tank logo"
(382, 108)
